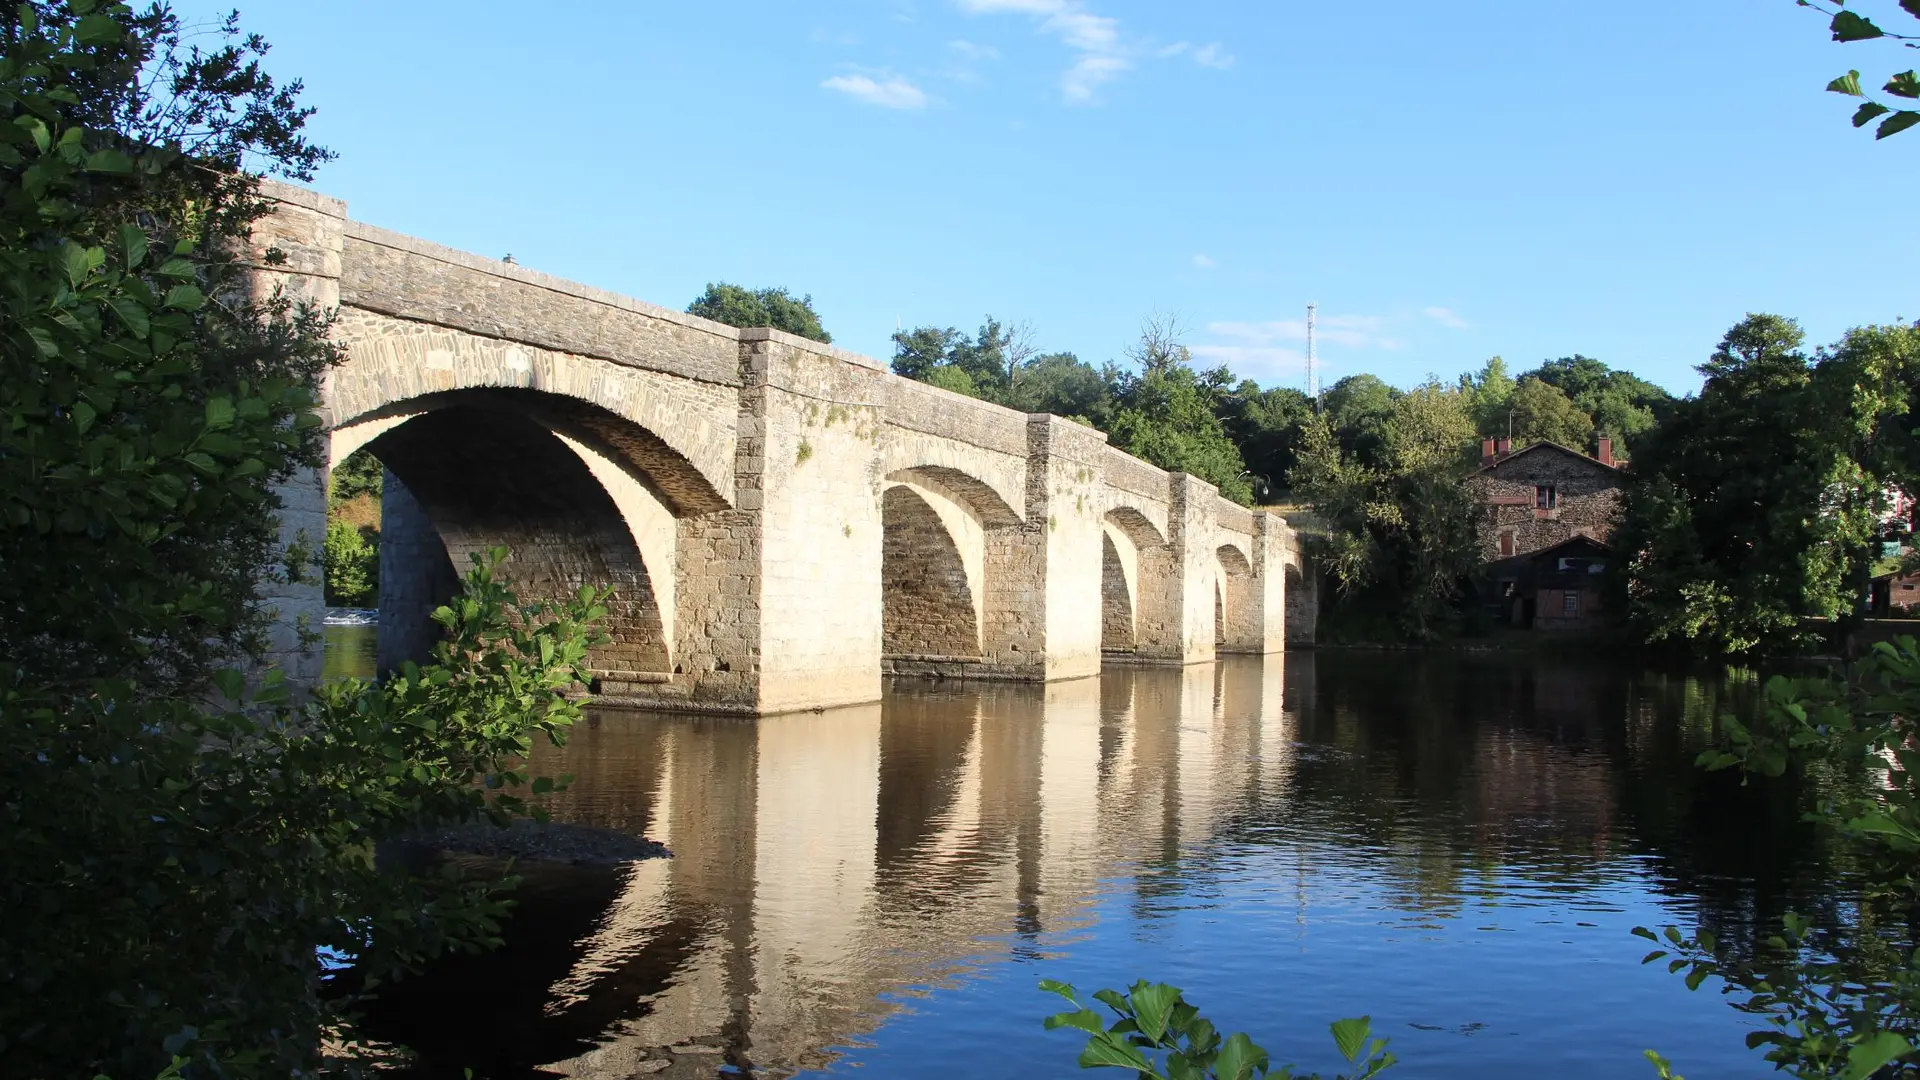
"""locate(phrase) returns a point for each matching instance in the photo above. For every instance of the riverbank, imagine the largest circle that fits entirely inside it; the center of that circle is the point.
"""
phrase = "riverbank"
(540, 841)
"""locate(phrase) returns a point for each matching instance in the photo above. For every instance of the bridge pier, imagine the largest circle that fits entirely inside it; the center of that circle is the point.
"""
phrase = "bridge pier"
(783, 522)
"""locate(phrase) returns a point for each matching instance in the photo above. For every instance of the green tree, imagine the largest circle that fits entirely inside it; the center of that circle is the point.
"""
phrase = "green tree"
(777, 308)
(351, 560)
(1064, 385)
(1621, 405)
(1169, 414)
(1401, 534)
(1359, 408)
(1746, 520)
(360, 474)
(1541, 413)
(991, 360)
(1850, 26)
(175, 867)
(1487, 396)
(1269, 427)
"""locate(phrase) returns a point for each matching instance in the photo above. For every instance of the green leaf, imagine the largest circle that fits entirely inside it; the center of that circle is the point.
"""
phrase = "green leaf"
(1848, 26)
(1152, 1004)
(83, 416)
(1848, 84)
(202, 462)
(1238, 1058)
(1911, 7)
(97, 30)
(77, 262)
(1351, 1034)
(43, 341)
(1906, 85)
(109, 161)
(1897, 123)
(131, 313)
(1084, 1020)
(1867, 112)
(185, 298)
(1109, 1050)
(219, 413)
(542, 785)
(1868, 1056)
(133, 241)
(1051, 986)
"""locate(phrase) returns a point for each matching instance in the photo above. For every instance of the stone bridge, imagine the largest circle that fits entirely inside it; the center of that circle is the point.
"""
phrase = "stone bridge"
(783, 522)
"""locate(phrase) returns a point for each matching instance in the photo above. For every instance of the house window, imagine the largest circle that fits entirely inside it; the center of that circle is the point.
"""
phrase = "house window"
(1570, 603)
(1506, 546)
(1544, 497)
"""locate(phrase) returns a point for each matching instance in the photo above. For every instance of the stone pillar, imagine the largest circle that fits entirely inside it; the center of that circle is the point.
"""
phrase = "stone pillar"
(1190, 532)
(1041, 616)
(819, 506)
(297, 251)
(1302, 596)
(416, 576)
(1271, 541)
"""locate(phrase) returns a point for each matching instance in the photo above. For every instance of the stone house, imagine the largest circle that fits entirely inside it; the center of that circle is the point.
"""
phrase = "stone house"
(1543, 495)
(1555, 588)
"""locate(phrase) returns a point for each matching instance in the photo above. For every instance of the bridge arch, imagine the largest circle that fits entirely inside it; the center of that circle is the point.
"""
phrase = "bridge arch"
(932, 574)
(1140, 602)
(1234, 626)
(676, 433)
(482, 476)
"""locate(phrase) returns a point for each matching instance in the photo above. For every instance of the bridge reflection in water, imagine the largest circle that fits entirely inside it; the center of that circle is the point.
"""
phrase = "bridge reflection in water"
(833, 869)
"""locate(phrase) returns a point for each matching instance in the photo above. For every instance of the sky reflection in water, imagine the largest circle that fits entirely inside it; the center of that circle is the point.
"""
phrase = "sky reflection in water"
(1457, 847)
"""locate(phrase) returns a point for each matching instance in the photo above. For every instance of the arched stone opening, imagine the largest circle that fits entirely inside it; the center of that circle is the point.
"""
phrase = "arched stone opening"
(1116, 595)
(1234, 619)
(1302, 607)
(929, 592)
(1148, 582)
(482, 476)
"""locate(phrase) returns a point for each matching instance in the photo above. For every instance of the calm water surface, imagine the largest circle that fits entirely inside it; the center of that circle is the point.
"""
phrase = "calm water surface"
(1457, 847)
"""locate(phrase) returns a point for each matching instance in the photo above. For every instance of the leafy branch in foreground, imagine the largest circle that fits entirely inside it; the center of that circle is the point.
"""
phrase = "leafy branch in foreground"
(1850, 26)
(1157, 1033)
(1844, 1002)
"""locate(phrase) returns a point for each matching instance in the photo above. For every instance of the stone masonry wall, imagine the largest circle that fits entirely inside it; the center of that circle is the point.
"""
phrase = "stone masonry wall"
(307, 230)
(1588, 500)
(821, 599)
(929, 609)
(1116, 598)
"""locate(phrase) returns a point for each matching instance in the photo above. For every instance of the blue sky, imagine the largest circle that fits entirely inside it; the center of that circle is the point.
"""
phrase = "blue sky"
(1447, 181)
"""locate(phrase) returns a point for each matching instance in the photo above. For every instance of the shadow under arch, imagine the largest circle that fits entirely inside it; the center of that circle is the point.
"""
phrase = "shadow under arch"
(1139, 597)
(666, 473)
(485, 473)
(1233, 629)
(929, 608)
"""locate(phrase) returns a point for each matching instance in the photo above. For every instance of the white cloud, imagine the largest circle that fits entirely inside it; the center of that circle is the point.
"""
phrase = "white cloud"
(1104, 57)
(974, 50)
(1348, 331)
(1204, 262)
(1445, 317)
(892, 92)
(1213, 55)
(1268, 364)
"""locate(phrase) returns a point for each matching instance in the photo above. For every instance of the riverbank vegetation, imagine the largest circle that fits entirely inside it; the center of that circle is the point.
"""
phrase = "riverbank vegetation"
(189, 849)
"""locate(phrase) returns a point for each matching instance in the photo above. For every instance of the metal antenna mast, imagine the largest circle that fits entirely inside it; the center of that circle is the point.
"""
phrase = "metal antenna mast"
(1311, 393)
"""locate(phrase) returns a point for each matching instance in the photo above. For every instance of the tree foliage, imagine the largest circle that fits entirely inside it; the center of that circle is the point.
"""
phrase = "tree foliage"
(1752, 517)
(1541, 412)
(777, 308)
(176, 866)
(1401, 533)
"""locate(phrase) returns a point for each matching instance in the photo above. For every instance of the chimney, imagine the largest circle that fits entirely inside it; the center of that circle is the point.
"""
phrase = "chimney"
(1606, 450)
(1502, 447)
(1486, 452)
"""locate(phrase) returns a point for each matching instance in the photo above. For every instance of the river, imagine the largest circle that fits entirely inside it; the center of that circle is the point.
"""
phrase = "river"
(1457, 846)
